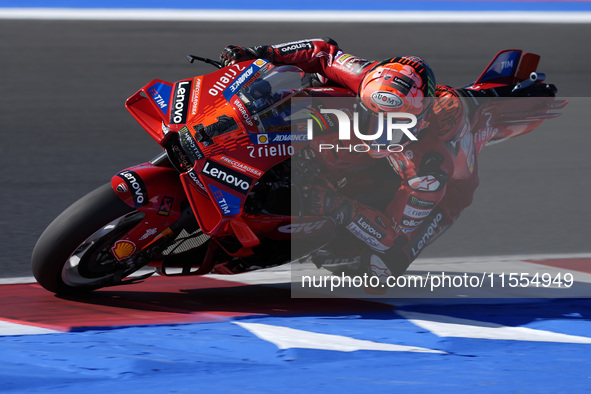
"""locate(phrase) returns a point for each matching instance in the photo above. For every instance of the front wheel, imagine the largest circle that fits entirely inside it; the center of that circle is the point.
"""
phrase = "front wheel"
(73, 254)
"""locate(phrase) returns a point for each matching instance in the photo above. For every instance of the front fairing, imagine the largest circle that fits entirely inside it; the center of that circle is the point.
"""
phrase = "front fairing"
(224, 137)
(223, 145)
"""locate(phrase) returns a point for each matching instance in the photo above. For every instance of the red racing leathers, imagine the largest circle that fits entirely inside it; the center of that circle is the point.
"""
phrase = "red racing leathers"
(438, 178)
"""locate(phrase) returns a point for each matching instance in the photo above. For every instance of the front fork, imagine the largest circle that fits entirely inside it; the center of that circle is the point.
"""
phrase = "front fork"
(153, 188)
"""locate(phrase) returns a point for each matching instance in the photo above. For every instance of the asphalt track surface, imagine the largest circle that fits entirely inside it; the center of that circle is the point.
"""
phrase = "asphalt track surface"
(65, 131)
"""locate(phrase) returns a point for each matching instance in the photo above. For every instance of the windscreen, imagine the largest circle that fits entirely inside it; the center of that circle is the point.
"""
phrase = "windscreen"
(267, 96)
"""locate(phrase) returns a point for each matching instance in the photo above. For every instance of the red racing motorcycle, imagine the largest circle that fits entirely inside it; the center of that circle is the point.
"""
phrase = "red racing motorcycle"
(220, 197)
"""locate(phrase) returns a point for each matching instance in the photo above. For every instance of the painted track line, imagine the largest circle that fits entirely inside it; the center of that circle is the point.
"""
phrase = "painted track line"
(189, 15)
(282, 274)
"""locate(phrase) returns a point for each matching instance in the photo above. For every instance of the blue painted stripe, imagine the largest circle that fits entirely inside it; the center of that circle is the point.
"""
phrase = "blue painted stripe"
(336, 5)
(223, 357)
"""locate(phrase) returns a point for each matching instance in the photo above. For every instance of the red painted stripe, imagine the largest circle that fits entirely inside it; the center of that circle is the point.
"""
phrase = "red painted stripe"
(581, 265)
(162, 300)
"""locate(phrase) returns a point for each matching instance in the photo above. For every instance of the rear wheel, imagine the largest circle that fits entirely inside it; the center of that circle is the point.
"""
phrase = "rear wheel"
(74, 253)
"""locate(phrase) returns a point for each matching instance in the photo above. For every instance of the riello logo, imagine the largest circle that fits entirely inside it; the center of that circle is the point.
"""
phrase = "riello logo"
(391, 125)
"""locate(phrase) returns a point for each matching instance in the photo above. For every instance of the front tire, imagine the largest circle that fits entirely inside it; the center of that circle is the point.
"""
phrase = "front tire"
(73, 253)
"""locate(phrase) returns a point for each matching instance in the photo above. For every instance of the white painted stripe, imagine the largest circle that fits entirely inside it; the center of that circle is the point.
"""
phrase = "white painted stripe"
(517, 257)
(285, 338)
(17, 281)
(283, 274)
(297, 15)
(7, 328)
(446, 326)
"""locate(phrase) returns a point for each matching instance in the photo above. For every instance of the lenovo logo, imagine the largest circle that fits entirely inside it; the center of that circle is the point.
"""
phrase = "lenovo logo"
(178, 112)
(227, 176)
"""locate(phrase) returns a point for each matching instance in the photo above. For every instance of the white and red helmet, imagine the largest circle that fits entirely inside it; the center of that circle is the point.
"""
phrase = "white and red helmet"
(402, 84)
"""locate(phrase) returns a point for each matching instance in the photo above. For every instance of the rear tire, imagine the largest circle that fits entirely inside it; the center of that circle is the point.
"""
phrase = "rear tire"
(73, 253)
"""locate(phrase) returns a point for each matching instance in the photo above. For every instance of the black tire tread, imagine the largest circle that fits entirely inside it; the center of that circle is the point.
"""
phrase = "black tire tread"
(67, 231)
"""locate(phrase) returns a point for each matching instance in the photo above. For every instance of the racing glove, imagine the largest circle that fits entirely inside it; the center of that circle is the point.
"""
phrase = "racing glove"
(236, 54)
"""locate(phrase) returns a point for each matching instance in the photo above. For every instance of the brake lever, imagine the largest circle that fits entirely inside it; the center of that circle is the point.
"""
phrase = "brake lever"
(192, 58)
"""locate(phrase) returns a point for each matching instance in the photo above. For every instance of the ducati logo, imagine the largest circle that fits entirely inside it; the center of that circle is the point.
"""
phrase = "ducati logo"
(136, 186)
(122, 188)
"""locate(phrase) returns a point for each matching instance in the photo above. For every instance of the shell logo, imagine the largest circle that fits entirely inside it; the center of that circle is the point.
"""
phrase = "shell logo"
(260, 62)
(123, 249)
(263, 139)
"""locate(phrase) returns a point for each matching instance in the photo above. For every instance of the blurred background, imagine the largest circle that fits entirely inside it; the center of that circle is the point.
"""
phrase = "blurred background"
(65, 130)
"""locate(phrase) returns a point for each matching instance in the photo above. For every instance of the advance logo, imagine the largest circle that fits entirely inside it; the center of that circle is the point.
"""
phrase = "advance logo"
(232, 179)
